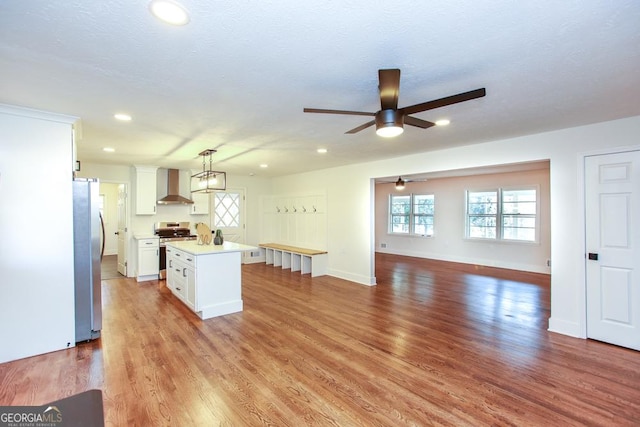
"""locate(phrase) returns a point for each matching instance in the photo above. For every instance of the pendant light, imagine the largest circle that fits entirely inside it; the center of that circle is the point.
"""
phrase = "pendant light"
(208, 180)
(400, 183)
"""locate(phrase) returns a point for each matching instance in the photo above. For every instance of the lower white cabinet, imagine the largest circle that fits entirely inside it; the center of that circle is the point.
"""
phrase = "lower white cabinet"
(181, 276)
(148, 266)
(207, 278)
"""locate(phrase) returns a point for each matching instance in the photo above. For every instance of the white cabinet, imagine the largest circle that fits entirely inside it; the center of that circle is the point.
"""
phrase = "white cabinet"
(146, 190)
(148, 258)
(181, 276)
(208, 283)
(200, 204)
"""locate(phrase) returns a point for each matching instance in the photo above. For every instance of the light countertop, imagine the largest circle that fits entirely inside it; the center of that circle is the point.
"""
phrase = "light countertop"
(192, 247)
(141, 236)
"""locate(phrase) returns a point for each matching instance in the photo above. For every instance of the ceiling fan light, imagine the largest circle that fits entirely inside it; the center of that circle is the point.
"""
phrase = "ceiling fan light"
(389, 131)
(169, 12)
(389, 123)
(400, 183)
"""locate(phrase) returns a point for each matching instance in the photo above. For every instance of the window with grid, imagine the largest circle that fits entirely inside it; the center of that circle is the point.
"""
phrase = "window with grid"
(227, 210)
(411, 214)
(503, 214)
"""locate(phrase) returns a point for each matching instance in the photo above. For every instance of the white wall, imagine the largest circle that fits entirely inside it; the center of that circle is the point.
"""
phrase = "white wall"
(448, 242)
(37, 313)
(350, 207)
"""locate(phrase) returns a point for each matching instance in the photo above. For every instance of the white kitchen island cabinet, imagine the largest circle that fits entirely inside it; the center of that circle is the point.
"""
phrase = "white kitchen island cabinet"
(207, 278)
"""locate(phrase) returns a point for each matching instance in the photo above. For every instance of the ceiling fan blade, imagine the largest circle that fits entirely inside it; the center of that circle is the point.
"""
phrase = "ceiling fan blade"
(389, 87)
(413, 121)
(361, 127)
(353, 113)
(442, 102)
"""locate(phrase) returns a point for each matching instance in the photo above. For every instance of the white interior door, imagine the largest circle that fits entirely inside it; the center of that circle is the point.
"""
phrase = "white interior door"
(228, 214)
(612, 197)
(122, 229)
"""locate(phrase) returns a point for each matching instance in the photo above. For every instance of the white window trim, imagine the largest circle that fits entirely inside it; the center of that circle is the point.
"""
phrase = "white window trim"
(411, 216)
(499, 231)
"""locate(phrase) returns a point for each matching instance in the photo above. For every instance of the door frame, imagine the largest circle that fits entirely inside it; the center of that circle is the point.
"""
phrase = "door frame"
(582, 222)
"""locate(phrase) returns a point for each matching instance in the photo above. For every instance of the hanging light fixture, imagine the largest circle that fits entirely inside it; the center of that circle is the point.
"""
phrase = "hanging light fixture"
(208, 180)
(400, 183)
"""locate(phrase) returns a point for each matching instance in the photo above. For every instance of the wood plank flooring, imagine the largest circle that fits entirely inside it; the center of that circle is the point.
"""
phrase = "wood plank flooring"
(433, 344)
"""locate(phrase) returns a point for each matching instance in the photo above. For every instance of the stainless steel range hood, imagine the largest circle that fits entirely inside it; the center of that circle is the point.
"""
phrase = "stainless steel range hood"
(173, 196)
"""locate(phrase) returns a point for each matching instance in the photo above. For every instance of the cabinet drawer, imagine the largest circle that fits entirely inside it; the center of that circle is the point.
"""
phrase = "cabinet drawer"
(148, 243)
(178, 254)
(179, 285)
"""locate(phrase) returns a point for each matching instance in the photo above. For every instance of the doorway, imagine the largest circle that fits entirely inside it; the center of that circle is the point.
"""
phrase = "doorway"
(114, 212)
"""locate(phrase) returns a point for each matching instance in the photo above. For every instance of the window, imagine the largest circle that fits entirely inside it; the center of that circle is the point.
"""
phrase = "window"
(227, 210)
(503, 214)
(411, 214)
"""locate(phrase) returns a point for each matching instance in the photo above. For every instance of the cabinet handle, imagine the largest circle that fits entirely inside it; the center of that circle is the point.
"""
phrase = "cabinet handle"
(170, 263)
(178, 289)
(148, 243)
(177, 254)
(157, 252)
(189, 259)
(184, 272)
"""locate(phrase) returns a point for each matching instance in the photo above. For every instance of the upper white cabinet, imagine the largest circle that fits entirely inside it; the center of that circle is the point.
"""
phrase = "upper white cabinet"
(200, 204)
(146, 195)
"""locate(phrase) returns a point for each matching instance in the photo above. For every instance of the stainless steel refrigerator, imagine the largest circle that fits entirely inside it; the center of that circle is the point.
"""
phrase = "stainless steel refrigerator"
(87, 235)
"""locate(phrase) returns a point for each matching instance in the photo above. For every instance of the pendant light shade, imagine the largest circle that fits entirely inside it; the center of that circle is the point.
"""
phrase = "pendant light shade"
(208, 180)
(400, 183)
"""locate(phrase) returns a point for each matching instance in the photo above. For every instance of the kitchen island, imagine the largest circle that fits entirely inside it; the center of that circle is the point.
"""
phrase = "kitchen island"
(207, 278)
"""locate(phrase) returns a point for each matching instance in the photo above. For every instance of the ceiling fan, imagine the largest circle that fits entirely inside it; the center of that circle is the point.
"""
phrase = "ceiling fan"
(389, 120)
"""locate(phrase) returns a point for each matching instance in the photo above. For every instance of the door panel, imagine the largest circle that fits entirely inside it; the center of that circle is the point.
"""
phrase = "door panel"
(612, 196)
(122, 229)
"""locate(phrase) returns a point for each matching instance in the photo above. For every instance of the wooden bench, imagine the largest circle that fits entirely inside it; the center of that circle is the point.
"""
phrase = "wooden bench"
(303, 260)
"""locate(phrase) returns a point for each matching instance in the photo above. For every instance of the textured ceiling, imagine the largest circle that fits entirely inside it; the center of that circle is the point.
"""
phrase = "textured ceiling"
(238, 76)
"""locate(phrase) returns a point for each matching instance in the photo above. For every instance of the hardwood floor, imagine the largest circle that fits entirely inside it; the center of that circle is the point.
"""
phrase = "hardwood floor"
(109, 267)
(433, 344)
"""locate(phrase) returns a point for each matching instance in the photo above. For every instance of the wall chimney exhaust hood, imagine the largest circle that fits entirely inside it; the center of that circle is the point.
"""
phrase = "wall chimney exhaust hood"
(173, 196)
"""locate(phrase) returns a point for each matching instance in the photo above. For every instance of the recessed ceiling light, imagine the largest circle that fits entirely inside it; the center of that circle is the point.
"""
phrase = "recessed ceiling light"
(443, 122)
(169, 12)
(109, 149)
(322, 150)
(264, 165)
(123, 117)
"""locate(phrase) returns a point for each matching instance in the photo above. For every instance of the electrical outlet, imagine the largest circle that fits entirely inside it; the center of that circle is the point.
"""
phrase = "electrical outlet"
(383, 245)
(548, 263)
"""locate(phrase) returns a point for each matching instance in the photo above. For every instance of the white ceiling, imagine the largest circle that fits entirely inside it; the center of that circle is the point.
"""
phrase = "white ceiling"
(238, 76)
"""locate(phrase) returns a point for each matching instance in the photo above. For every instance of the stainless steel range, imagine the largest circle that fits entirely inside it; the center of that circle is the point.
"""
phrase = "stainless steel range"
(171, 232)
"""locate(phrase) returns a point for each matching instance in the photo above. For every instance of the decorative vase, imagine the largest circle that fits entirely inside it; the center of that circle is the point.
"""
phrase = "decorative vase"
(218, 240)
